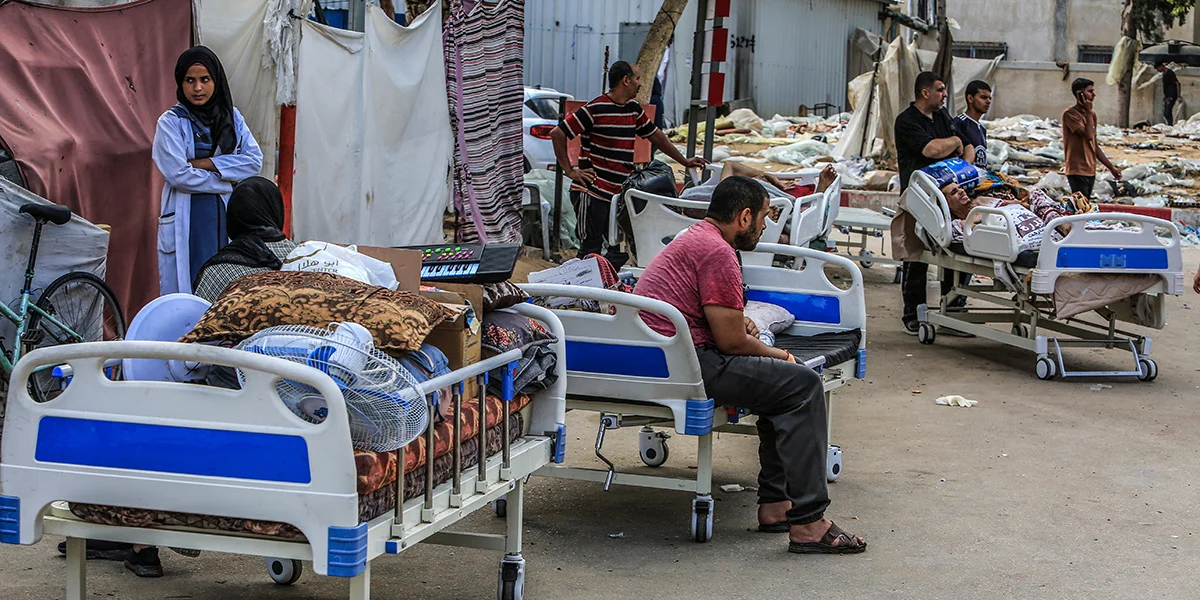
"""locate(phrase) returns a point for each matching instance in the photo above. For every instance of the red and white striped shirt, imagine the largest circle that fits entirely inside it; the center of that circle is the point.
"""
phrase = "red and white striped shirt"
(607, 132)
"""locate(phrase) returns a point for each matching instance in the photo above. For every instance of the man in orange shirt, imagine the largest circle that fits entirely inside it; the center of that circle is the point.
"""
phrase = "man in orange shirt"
(1079, 139)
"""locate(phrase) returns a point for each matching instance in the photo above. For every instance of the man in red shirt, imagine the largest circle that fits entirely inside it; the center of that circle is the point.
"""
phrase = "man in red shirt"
(700, 274)
(607, 127)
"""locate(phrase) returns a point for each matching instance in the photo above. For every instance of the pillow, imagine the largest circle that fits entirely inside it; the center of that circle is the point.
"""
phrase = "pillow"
(502, 295)
(504, 331)
(769, 317)
(399, 321)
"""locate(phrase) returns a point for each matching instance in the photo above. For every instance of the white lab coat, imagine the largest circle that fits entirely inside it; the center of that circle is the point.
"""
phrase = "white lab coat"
(173, 148)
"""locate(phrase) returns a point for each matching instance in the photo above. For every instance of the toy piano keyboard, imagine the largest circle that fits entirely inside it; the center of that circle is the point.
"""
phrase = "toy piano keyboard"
(468, 263)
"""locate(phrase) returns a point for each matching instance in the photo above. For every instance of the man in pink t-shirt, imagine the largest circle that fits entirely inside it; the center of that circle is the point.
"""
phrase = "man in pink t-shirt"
(700, 274)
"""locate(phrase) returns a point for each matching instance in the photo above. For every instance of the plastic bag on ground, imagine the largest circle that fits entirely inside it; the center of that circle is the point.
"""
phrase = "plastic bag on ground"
(1053, 183)
(997, 152)
(745, 118)
(795, 154)
(1137, 172)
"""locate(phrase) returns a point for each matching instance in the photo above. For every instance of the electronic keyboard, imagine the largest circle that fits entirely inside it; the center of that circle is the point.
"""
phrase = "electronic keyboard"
(467, 263)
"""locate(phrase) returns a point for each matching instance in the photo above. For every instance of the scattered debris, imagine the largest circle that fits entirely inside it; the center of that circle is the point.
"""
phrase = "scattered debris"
(955, 401)
(617, 535)
(1096, 387)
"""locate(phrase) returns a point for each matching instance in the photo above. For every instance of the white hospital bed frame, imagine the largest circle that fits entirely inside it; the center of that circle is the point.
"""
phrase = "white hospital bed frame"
(1029, 308)
(277, 467)
(632, 376)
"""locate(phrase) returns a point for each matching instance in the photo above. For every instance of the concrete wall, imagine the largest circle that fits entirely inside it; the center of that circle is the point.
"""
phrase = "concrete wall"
(1039, 89)
(1029, 29)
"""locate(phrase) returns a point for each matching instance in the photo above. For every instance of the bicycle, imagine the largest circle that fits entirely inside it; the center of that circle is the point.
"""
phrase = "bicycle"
(76, 307)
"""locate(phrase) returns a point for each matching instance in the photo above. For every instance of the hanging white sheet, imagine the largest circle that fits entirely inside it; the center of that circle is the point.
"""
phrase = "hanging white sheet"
(373, 137)
(233, 29)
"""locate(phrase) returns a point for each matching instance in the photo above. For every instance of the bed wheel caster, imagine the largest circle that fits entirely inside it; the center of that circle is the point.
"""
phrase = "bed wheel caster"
(926, 333)
(702, 518)
(866, 264)
(511, 581)
(500, 507)
(1147, 369)
(284, 571)
(652, 446)
(1020, 330)
(833, 464)
(1046, 369)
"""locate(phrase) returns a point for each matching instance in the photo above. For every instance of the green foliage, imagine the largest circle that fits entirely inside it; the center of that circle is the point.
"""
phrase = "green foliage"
(1152, 17)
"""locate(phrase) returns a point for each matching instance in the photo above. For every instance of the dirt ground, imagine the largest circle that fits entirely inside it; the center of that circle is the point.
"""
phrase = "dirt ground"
(1042, 490)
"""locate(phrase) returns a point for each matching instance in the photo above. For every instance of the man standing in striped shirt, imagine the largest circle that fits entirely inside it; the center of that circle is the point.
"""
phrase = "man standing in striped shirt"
(607, 128)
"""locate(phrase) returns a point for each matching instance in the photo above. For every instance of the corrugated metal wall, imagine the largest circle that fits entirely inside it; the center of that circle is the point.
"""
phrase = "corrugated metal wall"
(798, 57)
(565, 41)
(800, 50)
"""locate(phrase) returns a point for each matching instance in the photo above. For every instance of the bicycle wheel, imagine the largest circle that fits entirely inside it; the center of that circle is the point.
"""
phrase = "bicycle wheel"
(88, 310)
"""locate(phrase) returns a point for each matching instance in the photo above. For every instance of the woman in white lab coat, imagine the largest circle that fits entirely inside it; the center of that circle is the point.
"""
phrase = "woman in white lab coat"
(203, 148)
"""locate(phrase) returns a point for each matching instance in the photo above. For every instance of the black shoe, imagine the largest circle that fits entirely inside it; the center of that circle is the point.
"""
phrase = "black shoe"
(910, 327)
(145, 563)
(102, 550)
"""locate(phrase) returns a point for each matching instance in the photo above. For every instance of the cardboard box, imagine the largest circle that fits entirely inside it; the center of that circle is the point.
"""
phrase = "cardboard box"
(406, 264)
(460, 341)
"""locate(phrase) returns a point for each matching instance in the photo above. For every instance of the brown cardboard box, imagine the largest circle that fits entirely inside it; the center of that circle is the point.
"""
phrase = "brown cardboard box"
(406, 264)
(470, 292)
(455, 338)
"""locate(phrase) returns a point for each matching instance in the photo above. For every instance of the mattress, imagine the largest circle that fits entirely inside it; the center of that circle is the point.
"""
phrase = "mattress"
(837, 348)
(376, 476)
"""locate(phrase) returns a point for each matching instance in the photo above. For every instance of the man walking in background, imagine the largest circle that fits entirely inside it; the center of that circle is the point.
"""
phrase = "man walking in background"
(970, 131)
(1172, 89)
(1079, 140)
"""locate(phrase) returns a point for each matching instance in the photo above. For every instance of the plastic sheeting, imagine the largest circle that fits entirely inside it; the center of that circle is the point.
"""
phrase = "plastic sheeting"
(373, 141)
(82, 95)
(1125, 53)
(74, 246)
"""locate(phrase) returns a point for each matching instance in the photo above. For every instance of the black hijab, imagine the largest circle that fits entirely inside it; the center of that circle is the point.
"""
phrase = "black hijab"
(217, 113)
(254, 217)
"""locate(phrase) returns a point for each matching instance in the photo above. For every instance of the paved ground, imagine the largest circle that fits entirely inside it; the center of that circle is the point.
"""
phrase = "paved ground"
(1043, 490)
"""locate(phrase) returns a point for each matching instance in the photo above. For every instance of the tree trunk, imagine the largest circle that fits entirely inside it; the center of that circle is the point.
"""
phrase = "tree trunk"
(388, 7)
(657, 40)
(1125, 86)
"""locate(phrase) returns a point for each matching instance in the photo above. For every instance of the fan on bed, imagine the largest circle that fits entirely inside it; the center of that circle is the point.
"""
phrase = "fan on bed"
(387, 409)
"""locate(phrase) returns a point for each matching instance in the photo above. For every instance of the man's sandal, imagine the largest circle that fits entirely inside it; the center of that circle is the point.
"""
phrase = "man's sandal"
(846, 543)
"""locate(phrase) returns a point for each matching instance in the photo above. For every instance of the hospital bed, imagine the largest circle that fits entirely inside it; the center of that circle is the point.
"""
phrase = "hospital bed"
(632, 376)
(243, 455)
(656, 224)
(1023, 285)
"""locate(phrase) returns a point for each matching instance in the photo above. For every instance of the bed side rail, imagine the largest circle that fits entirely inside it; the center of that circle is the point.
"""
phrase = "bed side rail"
(807, 292)
(618, 356)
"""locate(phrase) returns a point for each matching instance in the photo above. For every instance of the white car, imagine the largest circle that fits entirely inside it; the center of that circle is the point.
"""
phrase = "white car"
(540, 116)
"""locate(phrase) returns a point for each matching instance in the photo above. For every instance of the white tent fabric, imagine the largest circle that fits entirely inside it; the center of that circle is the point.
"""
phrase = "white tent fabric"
(234, 29)
(373, 137)
(897, 72)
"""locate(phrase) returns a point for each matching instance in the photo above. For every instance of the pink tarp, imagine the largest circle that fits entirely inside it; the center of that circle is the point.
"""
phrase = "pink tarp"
(82, 90)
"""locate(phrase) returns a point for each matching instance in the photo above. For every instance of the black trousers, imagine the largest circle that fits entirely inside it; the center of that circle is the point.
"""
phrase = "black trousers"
(916, 277)
(1169, 109)
(592, 228)
(793, 441)
(1082, 184)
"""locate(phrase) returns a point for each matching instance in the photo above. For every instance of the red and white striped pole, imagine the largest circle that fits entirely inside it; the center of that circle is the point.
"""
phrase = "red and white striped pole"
(709, 50)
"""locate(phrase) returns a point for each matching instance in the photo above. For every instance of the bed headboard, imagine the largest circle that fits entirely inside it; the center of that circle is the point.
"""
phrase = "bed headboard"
(925, 202)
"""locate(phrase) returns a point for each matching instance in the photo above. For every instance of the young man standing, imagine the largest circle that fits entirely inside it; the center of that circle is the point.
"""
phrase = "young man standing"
(608, 127)
(972, 134)
(1079, 140)
(924, 135)
(699, 274)
(1171, 90)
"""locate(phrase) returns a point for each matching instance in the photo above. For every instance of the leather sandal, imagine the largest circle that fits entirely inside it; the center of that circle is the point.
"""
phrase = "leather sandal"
(846, 543)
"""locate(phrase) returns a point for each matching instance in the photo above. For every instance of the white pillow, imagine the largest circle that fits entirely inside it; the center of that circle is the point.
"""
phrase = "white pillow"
(769, 317)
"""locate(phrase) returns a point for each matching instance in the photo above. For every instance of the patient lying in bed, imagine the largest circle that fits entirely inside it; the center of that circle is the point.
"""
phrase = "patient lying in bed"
(1029, 220)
